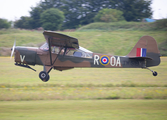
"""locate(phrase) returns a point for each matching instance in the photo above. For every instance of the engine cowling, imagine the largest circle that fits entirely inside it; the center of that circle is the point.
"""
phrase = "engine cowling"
(25, 55)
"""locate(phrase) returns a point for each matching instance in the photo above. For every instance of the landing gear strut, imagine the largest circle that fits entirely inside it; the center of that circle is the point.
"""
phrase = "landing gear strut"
(154, 72)
(44, 76)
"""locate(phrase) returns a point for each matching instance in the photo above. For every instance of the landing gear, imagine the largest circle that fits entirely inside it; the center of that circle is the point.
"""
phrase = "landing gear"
(44, 76)
(154, 72)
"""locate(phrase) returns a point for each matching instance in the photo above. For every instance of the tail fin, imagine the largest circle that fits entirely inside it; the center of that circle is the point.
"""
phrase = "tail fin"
(146, 48)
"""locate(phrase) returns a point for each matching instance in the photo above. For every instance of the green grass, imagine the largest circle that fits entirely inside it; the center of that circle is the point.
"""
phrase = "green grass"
(17, 83)
(11, 74)
(159, 25)
(22, 37)
(109, 42)
(112, 26)
(115, 42)
(83, 93)
(84, 110)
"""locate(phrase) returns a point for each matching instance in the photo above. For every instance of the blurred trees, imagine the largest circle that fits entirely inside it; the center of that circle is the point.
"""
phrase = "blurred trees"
(52, 19)
(77, 12)
(135, 10)
(4, 23)
(35, 16)
(109, 15)
(82, 12)
(24, 22)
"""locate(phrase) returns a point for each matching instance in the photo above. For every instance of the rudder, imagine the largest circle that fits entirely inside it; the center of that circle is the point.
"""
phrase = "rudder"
(146, 47)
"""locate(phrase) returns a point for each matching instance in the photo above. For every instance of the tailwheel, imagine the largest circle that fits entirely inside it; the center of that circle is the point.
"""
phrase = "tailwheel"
(44, 76)
(155, 73)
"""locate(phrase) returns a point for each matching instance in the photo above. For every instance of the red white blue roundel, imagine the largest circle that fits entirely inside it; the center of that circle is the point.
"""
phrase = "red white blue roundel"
(104, 60)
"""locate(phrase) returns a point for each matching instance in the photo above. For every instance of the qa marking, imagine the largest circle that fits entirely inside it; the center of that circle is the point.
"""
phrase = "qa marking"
(22, 58)
(105, 60)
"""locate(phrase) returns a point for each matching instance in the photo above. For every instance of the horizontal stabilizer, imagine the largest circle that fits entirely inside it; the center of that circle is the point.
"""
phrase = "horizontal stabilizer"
(141, 58)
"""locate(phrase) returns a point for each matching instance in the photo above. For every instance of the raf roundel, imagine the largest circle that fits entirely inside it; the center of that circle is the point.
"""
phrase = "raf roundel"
(104, 60)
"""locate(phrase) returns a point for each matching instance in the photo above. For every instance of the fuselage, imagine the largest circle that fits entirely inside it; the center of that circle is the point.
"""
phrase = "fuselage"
(62, 52)
(36, 56)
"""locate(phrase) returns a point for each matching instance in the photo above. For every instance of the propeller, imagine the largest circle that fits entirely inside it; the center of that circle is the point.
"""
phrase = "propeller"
(13, 49)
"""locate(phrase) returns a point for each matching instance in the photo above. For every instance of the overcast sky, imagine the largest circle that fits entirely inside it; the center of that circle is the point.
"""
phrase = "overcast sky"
(14, 9)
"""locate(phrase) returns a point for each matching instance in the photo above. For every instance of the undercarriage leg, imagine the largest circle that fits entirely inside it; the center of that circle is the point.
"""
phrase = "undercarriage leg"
(154, 72)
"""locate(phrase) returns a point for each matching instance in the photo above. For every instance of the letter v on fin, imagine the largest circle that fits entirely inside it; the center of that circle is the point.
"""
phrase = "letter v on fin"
(22, 58)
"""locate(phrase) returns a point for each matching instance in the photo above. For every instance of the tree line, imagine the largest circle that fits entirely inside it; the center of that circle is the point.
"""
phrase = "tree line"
(71, 14)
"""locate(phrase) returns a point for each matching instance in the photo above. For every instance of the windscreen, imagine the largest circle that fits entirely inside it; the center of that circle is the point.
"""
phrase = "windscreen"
(45, 47)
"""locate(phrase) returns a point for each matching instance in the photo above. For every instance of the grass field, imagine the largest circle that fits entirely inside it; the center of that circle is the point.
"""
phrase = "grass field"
(83, 93)
(125, 26)
(82, 83)
(84, 110)
(108, 42)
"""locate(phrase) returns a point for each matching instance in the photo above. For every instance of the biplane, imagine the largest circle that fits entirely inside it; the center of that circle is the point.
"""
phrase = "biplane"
(62, 52)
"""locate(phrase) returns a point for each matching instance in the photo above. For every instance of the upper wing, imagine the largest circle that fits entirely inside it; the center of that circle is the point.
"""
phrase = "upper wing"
(60, 40)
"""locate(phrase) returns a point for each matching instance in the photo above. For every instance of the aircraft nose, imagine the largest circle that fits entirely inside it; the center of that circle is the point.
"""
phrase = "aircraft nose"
(13, 48)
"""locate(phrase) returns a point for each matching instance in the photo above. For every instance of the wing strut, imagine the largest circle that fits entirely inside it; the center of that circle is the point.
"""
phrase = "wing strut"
(49, 41)
(65, 51)
(50, 51)
(50, 54)
(57, 55)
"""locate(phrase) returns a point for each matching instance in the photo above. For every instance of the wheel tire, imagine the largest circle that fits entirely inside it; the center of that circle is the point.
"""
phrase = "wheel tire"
(43, 75)
(155, 73)
(47, 79)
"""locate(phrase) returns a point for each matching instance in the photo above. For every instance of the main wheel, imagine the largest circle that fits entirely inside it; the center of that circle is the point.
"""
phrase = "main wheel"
(155, 73)
(44, 76)
(47, 79)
